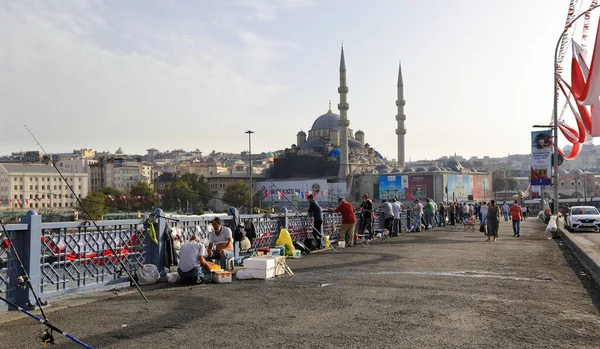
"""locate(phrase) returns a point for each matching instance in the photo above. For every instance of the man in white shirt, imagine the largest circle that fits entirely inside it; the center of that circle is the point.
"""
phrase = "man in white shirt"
(396, 208)
(505, 209)
(191, 261)
(220, 243)
(418, 208)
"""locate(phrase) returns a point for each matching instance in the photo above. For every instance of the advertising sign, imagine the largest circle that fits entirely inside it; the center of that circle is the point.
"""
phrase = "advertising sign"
(541, 157)
(482, 187)
(419, 187)
(392, 187)
(279, 190)
(536, 192)
(459, 187)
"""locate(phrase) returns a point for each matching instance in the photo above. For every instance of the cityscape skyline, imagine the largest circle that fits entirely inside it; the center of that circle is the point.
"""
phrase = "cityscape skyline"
(143, 74)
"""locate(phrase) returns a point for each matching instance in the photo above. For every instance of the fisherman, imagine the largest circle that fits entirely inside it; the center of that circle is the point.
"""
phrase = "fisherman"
(317, 214)
(220, 243)
(191, 261)
(348, 221)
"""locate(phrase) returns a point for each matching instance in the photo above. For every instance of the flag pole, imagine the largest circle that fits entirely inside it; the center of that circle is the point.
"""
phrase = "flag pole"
(555, 108)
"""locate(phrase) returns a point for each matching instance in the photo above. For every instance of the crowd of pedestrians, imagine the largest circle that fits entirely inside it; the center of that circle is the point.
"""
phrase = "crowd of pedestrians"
(395, 217)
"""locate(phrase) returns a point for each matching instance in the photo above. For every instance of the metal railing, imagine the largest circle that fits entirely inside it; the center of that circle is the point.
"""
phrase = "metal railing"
(64, 257)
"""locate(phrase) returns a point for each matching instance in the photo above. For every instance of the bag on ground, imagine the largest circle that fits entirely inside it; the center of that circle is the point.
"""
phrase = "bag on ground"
(147, 274)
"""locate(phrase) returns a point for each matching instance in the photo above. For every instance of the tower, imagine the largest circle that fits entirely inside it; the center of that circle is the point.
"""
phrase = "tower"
(344, 122)
(400, 117)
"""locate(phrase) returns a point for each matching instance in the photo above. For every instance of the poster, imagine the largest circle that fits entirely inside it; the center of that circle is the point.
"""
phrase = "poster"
(392, 187)
(460, 187)
(419, 187)
(541, 157)
(482, 187)
(536, 192)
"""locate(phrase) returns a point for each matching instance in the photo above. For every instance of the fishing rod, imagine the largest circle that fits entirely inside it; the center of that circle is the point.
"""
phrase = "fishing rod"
(25, 280)
(298, 210)
(46, 337)
(101, 233)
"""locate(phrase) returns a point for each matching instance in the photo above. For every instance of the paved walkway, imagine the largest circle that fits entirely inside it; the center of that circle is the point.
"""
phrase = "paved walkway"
(441, 289)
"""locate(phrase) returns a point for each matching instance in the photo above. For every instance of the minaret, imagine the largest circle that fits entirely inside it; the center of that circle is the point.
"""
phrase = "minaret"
(400, 117)
(344, 123)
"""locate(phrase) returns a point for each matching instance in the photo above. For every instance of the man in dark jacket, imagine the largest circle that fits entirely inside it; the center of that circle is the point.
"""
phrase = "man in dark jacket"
(315, 211)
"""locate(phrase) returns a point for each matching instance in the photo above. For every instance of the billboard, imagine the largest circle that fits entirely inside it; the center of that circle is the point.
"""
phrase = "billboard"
(322, 191)
(419, 187)
(482, 187)
(541, 157)
(459, 187)
(392, 187)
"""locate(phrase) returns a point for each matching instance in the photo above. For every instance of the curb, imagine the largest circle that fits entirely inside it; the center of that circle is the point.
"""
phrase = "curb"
(64, 303)
(588, 258)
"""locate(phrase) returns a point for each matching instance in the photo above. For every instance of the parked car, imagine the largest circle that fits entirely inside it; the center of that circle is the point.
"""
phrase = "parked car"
(583, 218)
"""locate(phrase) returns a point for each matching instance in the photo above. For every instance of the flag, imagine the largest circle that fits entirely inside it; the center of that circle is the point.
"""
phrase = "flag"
(591, 90)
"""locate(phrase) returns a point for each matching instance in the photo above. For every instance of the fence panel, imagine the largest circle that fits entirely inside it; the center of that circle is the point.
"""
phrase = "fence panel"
(76, 255)
(9, 267)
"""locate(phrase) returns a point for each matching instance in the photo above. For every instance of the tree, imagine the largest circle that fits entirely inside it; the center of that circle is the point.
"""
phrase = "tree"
(499, 184)
(237, 194)
(198, 185)
(94, 203)
(512, 184)
(144, 190)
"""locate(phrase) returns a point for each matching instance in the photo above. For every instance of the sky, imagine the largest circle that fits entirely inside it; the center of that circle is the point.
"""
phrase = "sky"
(196, 74)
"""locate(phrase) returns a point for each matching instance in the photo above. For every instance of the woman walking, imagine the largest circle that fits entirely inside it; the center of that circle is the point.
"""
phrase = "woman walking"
(493, 220)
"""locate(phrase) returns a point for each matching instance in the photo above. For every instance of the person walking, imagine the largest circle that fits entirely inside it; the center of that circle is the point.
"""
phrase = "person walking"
(493, 220)
(515, 213)
(505, 209)
(348, 221)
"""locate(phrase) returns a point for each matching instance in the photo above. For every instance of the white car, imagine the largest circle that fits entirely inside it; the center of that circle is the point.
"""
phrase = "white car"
(583, 218)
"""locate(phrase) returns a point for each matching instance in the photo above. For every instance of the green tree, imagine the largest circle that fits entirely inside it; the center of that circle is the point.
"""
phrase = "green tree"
(237, 195)
(145, 190)
(499, 184)
(512, 184)
(94, 204)
(198, 185)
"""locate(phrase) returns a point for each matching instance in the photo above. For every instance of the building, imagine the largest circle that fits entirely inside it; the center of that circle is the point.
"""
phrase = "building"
(119, 173)
(39, 186)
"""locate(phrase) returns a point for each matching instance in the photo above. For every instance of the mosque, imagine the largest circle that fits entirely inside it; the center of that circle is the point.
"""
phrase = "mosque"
(332, 149)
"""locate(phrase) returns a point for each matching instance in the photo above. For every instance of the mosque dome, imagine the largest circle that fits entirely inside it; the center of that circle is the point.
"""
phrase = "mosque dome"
(383, 168)
(396, 170)
(378, 155)
(119, 151)
(359, 132)
(434, 169)
(454, 165)
(354, 144)
(313, 143)
(421, 169)
(408, 170)
(269, 154)
(301, 133)
(328, 121)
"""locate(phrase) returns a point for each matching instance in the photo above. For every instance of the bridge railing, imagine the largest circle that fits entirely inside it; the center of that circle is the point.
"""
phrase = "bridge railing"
(66, 257)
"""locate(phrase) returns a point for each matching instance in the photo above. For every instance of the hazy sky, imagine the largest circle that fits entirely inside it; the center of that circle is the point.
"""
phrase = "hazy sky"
(198, 73)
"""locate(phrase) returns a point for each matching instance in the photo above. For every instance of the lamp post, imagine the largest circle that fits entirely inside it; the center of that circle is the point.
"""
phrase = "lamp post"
(555, 109)
(250, 164)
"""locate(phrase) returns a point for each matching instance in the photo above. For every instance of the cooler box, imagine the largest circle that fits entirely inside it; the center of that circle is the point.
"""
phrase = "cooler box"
(221, 276)
(265, 267)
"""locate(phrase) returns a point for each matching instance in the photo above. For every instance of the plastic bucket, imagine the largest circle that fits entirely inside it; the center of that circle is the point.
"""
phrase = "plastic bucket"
(341, 244)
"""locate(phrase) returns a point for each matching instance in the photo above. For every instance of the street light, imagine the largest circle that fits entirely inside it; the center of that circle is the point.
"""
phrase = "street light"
(250, 163)
(555, 109)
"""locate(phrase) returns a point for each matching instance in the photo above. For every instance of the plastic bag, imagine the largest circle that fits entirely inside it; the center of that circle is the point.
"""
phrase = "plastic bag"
(243, 274)
(147, 274)
(551, 227)
(285, 239)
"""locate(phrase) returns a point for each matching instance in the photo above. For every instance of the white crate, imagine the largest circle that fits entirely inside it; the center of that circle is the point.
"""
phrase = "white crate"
(221, 276)
(259, 263)
(262, 273)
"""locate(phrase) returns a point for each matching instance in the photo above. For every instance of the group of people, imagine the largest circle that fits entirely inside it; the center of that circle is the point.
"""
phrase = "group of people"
(194, 255)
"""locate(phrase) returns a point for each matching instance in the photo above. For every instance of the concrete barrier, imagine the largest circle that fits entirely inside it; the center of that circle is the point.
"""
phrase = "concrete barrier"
(588, 257)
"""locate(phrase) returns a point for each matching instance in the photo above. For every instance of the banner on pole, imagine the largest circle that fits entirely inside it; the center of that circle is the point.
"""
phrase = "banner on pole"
(541, 157)
(536, 192)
